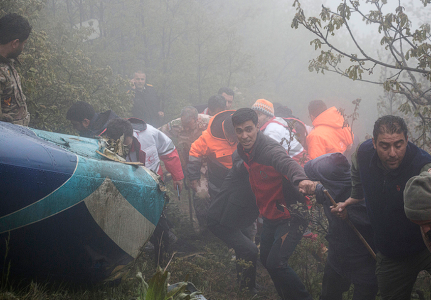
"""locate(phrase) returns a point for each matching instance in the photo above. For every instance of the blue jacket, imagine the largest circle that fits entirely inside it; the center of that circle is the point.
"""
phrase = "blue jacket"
(395, 236)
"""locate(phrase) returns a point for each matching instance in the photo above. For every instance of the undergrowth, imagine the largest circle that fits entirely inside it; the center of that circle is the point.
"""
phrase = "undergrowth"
(198, 258)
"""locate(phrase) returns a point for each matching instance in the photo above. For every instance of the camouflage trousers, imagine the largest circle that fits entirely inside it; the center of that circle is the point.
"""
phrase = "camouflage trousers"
(23, 122)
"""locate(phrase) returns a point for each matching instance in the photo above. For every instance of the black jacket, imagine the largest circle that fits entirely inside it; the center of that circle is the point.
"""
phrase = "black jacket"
(146, 106)
(235, 204)
(347, 254)
(98, 123)
(394, 234)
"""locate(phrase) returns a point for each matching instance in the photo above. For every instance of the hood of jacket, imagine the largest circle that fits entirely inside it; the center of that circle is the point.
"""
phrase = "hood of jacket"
(138, 124)
(333, 172)
(330, 117)
(215, 125)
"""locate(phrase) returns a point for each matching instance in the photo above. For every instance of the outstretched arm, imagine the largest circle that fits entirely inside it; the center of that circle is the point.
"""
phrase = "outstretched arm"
(198, 150)
(357, 194)
(287, 166)
(169, 155)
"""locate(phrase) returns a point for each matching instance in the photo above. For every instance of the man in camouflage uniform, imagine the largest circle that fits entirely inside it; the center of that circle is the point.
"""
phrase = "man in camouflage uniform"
(184, 131)
(14, 31)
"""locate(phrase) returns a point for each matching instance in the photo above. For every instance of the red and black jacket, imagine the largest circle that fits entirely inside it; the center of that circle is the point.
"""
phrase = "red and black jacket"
(273, 177)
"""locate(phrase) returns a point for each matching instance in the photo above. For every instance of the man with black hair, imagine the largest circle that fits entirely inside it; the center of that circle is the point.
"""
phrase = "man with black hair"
(216, 104)
(227, 95)
(277, 182)
(282, 111)
(301, 129)
(148, 145)
(14, 32)
(381, 167)
(86, 121)
(330, 133)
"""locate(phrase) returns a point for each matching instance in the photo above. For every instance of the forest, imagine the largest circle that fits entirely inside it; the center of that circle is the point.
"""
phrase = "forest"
(285, 51)
(89, 50)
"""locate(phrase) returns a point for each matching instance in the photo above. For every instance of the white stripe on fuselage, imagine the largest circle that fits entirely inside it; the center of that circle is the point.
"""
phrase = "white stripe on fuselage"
(126, 226)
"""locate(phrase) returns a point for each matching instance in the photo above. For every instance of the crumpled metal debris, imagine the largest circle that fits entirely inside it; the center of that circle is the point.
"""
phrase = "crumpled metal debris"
(114, 149)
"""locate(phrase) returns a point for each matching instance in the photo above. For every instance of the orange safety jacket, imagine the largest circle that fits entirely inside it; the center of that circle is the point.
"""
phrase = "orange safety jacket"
(218, 151)
(329, 135)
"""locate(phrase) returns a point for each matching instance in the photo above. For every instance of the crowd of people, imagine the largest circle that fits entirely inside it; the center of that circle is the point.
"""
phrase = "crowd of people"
(255, 163)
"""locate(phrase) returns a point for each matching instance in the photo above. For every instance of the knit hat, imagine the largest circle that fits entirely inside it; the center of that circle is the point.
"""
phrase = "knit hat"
(264, 106)
(417, 197)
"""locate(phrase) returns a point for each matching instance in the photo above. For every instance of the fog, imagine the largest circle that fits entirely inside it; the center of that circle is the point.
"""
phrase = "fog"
(189, 49)
(274, 43)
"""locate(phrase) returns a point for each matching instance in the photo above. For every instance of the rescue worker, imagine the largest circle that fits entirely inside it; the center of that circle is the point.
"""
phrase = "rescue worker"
(301, 129)
(86, 121)
(148, 145)
(216, 145)
(186, 129)
(190, 125)
(273, 176)
(216, 104)
(278, 129)
(330, 133)
(14, 32)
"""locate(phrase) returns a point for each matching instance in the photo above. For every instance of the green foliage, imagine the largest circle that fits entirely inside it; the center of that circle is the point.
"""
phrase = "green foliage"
(408, 50)
(157, 288)
(186, 55)
(56, 71)
(308, 261)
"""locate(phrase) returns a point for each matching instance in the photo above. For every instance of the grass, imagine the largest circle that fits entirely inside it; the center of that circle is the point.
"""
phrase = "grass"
(201, 259)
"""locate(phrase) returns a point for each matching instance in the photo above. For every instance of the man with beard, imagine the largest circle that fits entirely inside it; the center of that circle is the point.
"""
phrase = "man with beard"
(86, 121)
(14, 32)
(381, 167)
